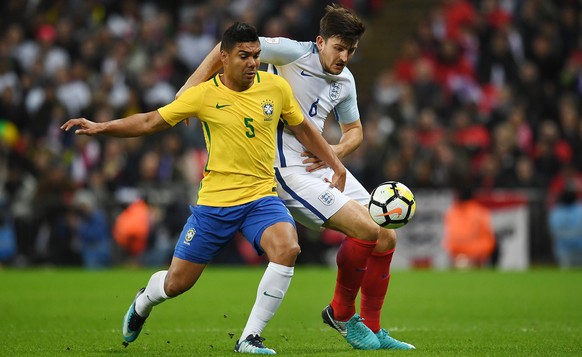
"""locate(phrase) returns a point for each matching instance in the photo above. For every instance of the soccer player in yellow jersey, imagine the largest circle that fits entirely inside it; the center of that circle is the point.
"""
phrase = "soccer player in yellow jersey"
(239, 111)
(323, 85)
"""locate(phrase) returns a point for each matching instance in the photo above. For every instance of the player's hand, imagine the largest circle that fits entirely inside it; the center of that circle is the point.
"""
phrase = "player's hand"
(85, 127)
(314, 161)
(338, 180)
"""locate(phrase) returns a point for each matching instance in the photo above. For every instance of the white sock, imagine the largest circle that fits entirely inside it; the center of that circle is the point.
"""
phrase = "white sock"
(270, 293)
(153, 295)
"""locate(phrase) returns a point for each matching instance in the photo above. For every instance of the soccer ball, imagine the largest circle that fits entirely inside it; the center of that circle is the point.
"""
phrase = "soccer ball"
(392, 204)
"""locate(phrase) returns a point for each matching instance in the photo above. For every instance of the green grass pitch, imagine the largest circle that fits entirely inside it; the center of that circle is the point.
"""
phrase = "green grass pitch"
(475, 313)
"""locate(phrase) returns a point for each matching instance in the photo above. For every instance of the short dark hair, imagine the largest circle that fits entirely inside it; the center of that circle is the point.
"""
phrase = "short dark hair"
(342, 23)
(237, 33)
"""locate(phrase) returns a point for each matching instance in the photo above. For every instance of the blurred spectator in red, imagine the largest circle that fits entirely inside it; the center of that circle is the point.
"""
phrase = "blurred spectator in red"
(458, 14)
(469, 134)
(428, 93)
(52, 56)
(429, 130)
(551, 152)
(494, 15)
(455, 74)
(404, 64)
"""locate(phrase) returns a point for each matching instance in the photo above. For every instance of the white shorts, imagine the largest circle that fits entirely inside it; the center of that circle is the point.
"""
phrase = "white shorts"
(310, 199)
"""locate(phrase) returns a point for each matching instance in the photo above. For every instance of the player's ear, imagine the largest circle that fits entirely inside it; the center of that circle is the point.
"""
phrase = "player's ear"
(223, 56)
(319, 41)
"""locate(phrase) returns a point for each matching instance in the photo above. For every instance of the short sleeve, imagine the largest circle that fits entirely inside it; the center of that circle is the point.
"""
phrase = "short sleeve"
(280, 50)
(346, 111)
(186, 106)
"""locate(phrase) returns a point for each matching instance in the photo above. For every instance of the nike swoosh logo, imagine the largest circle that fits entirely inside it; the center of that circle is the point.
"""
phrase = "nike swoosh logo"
(396, 210)
(304, 74)
(221, 106)
(273, 296)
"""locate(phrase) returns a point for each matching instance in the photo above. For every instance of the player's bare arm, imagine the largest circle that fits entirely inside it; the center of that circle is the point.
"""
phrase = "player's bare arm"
(315, 143)
(131, 126)
(352, 136)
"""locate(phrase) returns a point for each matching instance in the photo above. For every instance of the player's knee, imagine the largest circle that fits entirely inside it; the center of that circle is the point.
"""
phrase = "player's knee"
(285, 253)
(290, 249)
(294, 250)
(389, 235)
(387, 240)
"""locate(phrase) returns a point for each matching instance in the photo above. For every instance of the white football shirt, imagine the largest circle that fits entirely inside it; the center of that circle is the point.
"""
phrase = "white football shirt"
(317, 91)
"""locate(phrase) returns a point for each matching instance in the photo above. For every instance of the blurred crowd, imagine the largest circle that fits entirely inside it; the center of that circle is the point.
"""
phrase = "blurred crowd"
(487, 91)
(483, 91)
(71, 200)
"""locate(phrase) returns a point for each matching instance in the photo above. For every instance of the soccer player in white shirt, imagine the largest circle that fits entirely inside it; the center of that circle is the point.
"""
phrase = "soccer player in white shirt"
(322, 84)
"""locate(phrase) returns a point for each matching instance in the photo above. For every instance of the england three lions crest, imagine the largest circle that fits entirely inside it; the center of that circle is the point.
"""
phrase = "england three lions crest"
(335, 89)
(327, 198)
(268, 109)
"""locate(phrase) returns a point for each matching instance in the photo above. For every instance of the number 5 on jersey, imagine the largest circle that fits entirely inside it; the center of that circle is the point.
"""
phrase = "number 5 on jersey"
(250, 133)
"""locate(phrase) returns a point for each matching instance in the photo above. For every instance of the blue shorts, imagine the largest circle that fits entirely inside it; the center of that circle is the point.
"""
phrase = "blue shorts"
(209, 229)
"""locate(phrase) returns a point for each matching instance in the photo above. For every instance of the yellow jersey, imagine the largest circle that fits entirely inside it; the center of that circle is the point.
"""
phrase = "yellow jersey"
(240, 132)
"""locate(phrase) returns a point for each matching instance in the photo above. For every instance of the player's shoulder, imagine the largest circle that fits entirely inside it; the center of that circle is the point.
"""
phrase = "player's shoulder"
(348, 75)
(287, 43)
(273, 83)
(282, 50)
(271, 78)
(199, 89)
